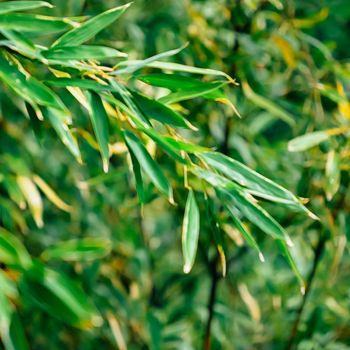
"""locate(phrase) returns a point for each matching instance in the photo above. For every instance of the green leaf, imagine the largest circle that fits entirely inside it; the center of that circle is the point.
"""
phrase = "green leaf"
(63, 132)
(83, 249)
(268, 105)
(132, 66)
(138, 178)
(332, 174)
(150, 167)
(99, 121)
(190, 231)
(176, 67)
(254, 213)
(196, 91)
(12, 251)
(90, 28)
(14, 337)
(59, 296)
(28, 87)
(12, 6)
(304, 142)
(240, 173)
(7, 285)
(285, 252)
(165, 145)
(32, 23)
(80, 83)
(244, 232)
(82, 52)
(153, 109)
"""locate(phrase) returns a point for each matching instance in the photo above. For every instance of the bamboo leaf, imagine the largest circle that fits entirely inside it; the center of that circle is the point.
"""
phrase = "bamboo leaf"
(132, 66)
(312, 139)
(254, 213)
(83, 249)
(268, 105)
(51, 194)
(150, 167)
(90, 28)
(190, 231)
(12, 6)
(12, 251)
(32, 197)
(244, 232)
(32, 23)
(59, 296)
(63, 132)
(153, 109)
(82, 52)
(99, 120)
(29, 88)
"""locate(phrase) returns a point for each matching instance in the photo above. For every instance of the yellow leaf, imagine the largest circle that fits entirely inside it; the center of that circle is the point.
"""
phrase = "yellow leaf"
(286, 50)
(33, 198)
(51, 194)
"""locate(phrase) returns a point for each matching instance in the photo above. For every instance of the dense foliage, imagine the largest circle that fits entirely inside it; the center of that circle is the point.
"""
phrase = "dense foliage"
(143, 152)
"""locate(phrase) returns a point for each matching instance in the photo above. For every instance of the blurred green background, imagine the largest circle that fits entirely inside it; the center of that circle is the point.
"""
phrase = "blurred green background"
(291, 60)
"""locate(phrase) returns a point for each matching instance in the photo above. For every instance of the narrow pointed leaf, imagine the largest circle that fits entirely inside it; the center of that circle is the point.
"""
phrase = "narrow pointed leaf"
(190, 231)
(149, 166)
(32, 23)
(84, 249)
(59, 296)
(33, 198)
(158, 111)
(254, 213)
(133, 66)
(82, 52)
(244, 232)
(90, 28)
(99, 120)
(12, 6)
(63, 132)
(51, 194)
(29, 88)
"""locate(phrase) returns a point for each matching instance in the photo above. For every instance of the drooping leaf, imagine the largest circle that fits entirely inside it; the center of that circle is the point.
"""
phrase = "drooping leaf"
(83, 249)
(33, 198)
(63, 132)
(99, 120)
(158, 111)
(244, 232)
(270, 106)
(255, 213)
(190, 231)
(90, 28)
(51, 194)
(149, 166)
(59, 296)
(332, 174)
(12, 251)
(29, 88)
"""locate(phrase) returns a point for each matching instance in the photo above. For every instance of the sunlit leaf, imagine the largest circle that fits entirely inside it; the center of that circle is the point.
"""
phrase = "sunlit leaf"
(90, 28)
(190, 231)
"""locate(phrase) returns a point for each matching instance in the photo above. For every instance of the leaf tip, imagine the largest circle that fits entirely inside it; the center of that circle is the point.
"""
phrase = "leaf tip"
(187, 268)
(261, 257)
